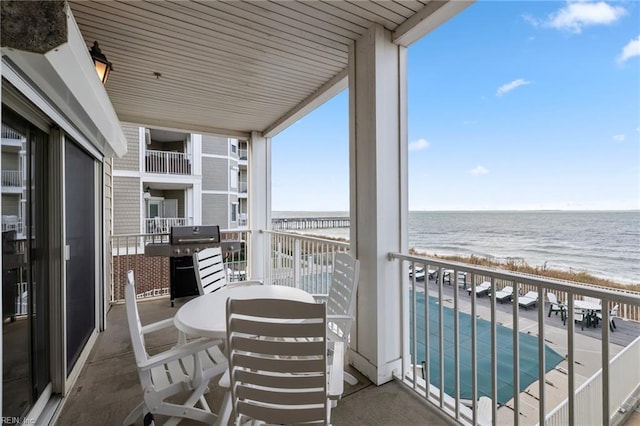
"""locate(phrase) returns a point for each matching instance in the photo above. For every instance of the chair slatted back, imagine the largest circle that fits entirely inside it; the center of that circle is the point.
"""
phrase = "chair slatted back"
(341, 299)
(278, 360)
(209, 269)
(135, 326)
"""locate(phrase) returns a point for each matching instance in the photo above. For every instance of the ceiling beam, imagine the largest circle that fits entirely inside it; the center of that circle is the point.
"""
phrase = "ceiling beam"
(183, 127)
(327, 91)
(427, 19)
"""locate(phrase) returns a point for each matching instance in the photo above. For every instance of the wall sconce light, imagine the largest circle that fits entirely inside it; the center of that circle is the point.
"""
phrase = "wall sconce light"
(103, 66)
(147, 193)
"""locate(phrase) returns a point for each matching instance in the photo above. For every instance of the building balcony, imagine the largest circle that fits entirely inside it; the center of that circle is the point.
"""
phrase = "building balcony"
(550, 365)
(12, 182)
(159, 225)
(243, 188)
(168, 163)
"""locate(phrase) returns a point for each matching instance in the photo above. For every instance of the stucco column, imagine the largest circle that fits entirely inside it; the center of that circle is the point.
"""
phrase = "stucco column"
(259, 170)
(378, 198)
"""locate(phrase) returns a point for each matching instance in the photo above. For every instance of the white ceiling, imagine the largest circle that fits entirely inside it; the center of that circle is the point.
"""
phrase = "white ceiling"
(231, 67)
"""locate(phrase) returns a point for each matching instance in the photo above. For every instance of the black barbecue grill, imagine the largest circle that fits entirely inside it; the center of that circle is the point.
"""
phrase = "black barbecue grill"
(183, 242)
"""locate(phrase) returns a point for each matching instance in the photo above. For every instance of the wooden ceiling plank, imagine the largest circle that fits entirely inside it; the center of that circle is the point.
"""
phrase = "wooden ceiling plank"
(261, 77)
(195, 23)
(226, 49)
(233, 63)
(252, 12)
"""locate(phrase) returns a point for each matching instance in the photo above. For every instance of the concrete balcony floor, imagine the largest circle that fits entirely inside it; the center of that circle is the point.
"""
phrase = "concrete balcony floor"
(108, 387)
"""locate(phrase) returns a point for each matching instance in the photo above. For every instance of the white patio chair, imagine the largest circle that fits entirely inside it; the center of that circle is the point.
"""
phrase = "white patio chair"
(341, 302)
(282, 368)
(528, 300)
(504, 295)
(556, 306)
(612, 314)
(485, 411)
(184, 368)
(211, 273)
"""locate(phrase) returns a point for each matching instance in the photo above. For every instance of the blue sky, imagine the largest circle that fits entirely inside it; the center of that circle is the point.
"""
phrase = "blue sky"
(512, 105)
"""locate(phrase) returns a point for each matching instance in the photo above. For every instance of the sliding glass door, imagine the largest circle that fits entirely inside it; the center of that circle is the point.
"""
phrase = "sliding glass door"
(81, 250)
(25, 282)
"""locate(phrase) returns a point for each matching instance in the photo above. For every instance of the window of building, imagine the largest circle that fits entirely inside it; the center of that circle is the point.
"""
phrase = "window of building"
(234, 177)
(234, 212)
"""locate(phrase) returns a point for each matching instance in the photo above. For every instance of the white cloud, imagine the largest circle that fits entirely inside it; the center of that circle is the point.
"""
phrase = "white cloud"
(418, 145)
(630, 50)
(618, 138)
(510, 86)
(576, 15)
(479, 170)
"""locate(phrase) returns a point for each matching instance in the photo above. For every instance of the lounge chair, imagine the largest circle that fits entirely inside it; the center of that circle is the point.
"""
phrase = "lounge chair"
(505, 294)
(482, 288)
(556, 306)
(528, 300)
(447, 275)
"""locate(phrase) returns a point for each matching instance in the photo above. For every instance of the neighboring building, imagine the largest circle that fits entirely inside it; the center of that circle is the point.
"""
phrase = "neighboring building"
(14, 190)
(169, 178)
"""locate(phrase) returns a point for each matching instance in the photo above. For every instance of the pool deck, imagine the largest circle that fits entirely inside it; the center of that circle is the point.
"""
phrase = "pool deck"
(587, 347)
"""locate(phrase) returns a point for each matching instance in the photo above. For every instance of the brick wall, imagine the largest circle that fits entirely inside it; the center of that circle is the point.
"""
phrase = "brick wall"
(151, 274)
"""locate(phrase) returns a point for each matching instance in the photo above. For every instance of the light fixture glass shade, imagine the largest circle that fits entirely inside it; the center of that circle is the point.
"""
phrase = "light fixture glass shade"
(103, 66)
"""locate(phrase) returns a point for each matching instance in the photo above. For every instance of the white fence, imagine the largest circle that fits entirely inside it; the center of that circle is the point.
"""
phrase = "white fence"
(624, 368)
(165, 162)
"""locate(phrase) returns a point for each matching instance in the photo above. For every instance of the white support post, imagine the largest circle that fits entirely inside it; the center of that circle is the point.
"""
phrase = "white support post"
(378, 199)
(259, 164)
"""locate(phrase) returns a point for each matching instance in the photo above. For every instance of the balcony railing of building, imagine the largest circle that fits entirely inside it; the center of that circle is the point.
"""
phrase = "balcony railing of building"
(166, 162)
(9, 133)
(160, 225)
(427, 304)
(152, 272)
(11, 178)
(301, 261)
(17, 226)
(243, 187)
(307, 262)
(242, 154)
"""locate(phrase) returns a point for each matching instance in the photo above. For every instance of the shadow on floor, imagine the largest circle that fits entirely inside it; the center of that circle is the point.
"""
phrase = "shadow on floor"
(108, 387)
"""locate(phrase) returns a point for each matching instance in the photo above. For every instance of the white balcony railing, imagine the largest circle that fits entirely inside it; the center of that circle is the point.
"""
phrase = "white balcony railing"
(160, 225)
(301, 261)
(14, 225)
(9, 133)
(242, 154)
(11, 178)
(165, 162)
(242, 187)
(152, 272)
(606, 392)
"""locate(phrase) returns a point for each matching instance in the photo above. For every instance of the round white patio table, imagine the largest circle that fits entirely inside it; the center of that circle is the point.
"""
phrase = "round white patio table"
(206, 315)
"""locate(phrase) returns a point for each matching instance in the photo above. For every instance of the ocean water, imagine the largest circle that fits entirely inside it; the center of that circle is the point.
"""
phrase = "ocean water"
(603, 243)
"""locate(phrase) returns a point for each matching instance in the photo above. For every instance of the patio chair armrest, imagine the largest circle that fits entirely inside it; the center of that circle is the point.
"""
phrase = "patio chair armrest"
(247, 282)
(177, 352)
(332, 317)
(160, 325)
(225, 380)
(336, 370)
(320, 297)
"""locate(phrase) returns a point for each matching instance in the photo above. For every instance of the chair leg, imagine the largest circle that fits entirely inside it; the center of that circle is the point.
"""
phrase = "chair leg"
(349, 378)
(550, 310)
(136, 413)
(612, 324)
